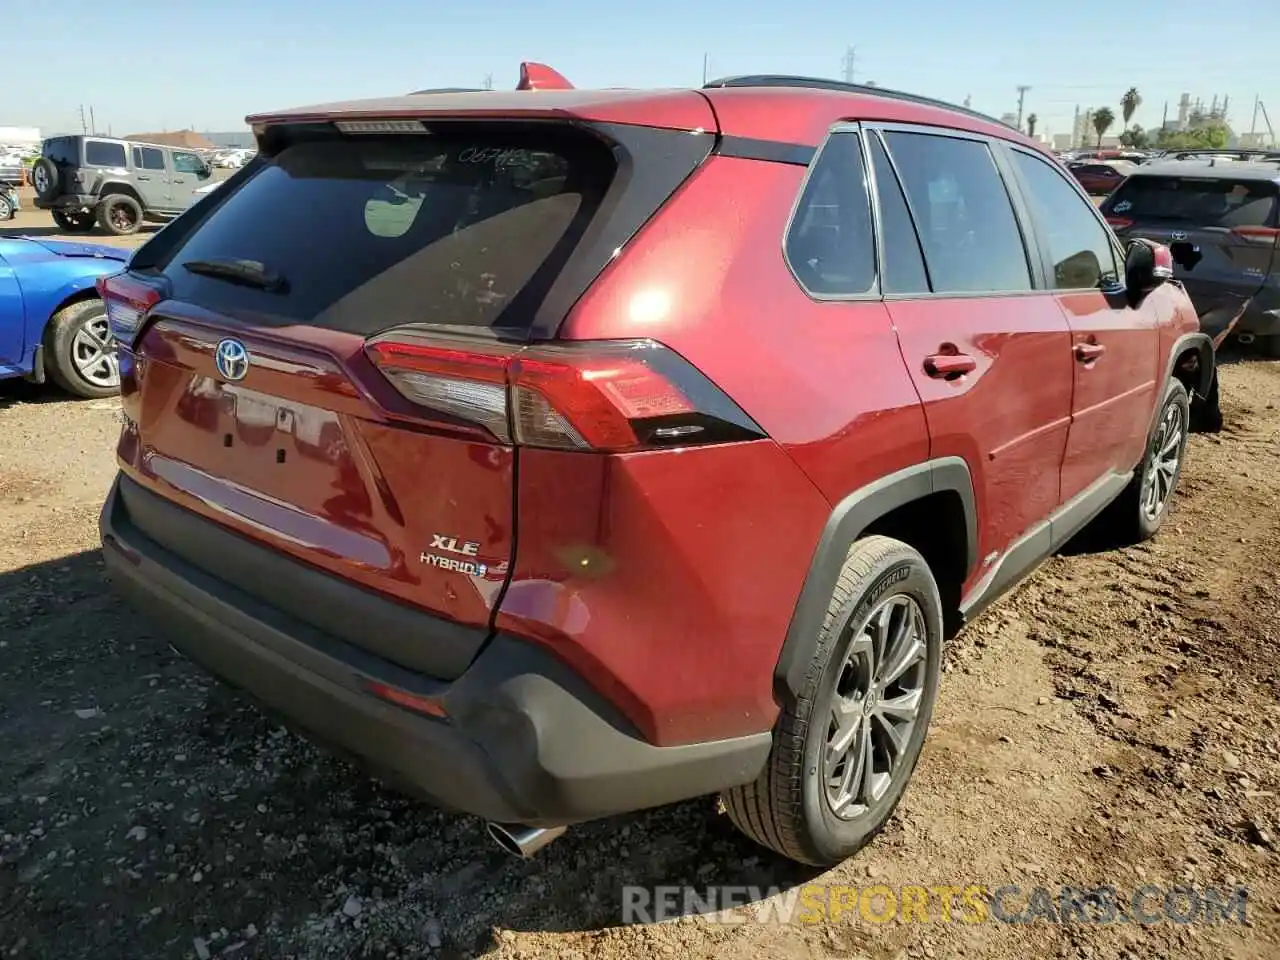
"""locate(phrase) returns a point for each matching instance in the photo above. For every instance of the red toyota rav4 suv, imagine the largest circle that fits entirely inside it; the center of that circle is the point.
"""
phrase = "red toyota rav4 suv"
(562, 453)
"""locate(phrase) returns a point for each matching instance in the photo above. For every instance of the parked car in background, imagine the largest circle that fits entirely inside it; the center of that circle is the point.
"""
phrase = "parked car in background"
(116, 184)
(53, 324)
(233, 159)
(1100, 177)
(1221, 221)
(11, 179)
(667, 545)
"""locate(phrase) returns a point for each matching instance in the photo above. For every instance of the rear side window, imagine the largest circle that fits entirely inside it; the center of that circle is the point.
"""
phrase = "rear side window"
(1079, 246)
(99, 153)
(62, 150)
(369, 233)
(1202, 202)
(830, 244)
(903, 267)
(971, 239)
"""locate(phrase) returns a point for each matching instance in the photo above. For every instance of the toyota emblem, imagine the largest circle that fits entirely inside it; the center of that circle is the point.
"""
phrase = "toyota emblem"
(231, 359)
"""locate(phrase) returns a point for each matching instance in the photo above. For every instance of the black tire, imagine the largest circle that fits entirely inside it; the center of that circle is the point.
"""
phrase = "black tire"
(60, 349)
(1127, 520)
(120, 215)
(6, 209)
(73, 222)
(788, 808)
(44, 178)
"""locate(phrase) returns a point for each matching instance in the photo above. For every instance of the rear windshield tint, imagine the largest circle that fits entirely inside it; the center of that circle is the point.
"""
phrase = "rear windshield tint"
(1202, 202)
(62, 150)
(370, 233)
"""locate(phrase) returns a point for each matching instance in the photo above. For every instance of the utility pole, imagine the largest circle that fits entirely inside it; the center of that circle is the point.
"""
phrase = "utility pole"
(706, 60)
(1253, 127)
(847, 64)
(84, 125)
(968, 100)
(93, 124)
(488, 81)
(1022, 95)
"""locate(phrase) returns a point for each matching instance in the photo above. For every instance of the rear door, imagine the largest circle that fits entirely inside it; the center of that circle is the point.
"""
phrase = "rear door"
(1223, 231)
(1115, 348)
(261, 408)
(151, 177)
(989, 352)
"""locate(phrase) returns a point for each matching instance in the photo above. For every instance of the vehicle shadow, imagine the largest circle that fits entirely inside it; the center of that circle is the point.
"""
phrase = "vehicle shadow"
(16, 390)
(164, 804)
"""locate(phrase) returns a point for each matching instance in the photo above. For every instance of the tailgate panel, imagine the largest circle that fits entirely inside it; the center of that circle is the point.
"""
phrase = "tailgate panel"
(295, 456)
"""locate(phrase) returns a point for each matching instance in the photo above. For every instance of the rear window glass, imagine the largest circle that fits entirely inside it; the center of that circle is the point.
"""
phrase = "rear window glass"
(1203, 202)
(62, 150)
(370, 233)
(98, 153)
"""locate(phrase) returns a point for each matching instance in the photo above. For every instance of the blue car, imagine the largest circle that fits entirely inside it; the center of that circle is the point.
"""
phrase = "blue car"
(52, 323)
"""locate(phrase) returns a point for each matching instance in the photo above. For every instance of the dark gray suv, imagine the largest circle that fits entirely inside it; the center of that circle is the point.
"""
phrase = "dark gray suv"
(1221, 220)
(115, 184)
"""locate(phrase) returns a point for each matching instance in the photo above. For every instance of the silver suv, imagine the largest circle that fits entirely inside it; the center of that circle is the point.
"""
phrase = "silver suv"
(116, 184)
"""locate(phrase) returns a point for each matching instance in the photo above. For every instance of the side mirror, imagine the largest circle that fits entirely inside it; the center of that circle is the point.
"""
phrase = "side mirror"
(1147, 265)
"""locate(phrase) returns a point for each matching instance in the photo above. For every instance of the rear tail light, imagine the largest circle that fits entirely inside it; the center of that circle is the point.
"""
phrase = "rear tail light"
(1261, 235)
(127, 301)
(1119, 223)
(610, 396)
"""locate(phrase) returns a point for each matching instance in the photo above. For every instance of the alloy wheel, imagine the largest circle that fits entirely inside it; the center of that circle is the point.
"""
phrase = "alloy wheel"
(94, 354)
(121, 217)
(1162, 464)
(875, 706)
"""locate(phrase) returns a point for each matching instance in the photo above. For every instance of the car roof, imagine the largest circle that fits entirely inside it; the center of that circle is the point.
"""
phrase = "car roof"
(798, 110)
(1209, 169)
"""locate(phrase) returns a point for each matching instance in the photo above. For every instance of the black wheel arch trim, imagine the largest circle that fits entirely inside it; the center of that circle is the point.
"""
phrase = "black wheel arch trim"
(847, 523)
(1208, 359)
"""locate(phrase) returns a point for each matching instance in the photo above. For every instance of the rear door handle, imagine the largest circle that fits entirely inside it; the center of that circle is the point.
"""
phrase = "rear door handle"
(1088, 352)
(942, 365)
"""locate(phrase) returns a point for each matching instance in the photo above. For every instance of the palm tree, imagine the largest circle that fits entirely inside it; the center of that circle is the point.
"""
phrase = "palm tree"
(1103, 118)
(1129, 104)
(1031, 125)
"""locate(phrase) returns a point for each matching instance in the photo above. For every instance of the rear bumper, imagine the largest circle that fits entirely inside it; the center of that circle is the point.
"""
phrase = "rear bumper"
(68, 201)
(523, 739)
(1260, 323)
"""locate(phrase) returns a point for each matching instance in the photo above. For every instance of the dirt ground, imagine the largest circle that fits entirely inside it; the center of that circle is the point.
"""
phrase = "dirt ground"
(1115, 721)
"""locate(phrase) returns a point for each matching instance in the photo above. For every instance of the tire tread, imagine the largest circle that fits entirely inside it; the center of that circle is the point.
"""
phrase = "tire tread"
(769, 810)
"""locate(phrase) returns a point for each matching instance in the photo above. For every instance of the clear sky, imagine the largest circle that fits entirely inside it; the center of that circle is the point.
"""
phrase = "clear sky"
(147, 65)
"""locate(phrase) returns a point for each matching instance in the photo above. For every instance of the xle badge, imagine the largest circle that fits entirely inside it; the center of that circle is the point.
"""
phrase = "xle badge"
(461, 548)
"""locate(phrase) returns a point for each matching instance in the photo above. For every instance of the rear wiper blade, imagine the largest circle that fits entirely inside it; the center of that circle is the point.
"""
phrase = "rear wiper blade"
(251, 273)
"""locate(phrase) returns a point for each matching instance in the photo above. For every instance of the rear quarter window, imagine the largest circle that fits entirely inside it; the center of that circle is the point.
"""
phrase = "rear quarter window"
(371, 233)
(1216, 202)
(62, 150)
(98, 153)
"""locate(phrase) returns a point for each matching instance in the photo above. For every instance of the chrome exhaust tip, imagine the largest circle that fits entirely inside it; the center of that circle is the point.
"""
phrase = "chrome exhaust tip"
(521, 841)
(1245, 338)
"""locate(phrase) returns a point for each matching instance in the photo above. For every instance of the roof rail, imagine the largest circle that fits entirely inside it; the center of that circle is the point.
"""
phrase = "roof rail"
(1261, 153)
(821, 83)
(415, 93)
